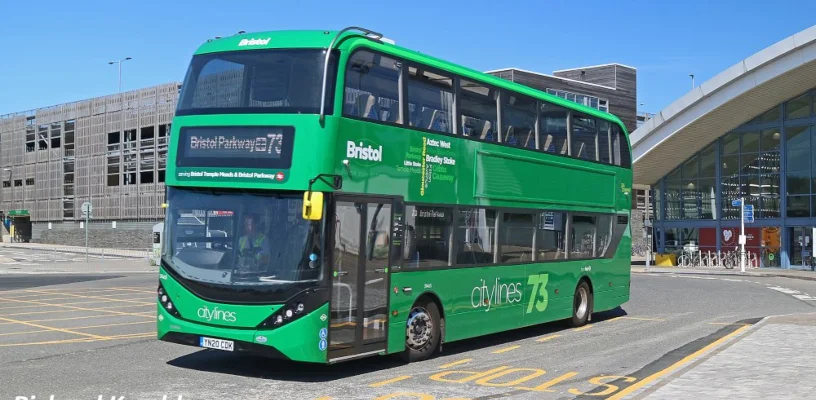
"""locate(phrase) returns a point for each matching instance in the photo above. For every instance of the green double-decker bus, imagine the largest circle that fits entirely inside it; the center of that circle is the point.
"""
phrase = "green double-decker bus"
(332, 195)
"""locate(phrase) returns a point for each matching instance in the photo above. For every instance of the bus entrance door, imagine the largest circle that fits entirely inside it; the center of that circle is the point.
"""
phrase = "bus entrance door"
(360, 276)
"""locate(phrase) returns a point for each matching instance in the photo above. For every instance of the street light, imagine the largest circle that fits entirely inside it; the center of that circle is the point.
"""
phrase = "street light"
(119, 63)
(692, 81)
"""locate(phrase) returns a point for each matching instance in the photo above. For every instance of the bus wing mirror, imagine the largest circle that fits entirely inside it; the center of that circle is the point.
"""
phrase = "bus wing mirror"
(312, 206)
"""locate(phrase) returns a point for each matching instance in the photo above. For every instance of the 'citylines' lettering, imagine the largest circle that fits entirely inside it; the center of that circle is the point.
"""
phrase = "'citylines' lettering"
(485, 296)
(216, 314)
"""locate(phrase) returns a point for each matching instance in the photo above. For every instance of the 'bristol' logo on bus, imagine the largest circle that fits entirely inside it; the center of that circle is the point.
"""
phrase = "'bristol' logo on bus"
(253, 42)
(363, 153)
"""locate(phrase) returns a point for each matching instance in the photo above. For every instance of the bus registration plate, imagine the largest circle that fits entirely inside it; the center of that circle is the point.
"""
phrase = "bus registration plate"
(217, 344)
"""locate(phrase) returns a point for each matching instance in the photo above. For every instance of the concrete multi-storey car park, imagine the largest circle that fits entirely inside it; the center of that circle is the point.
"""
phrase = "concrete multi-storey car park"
(110, 151)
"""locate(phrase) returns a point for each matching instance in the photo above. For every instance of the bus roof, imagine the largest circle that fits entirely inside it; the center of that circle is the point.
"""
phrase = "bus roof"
(316, 39)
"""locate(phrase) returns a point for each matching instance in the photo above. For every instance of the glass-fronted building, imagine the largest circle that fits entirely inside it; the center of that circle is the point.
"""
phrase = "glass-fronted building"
(770, 163)
(750, 133)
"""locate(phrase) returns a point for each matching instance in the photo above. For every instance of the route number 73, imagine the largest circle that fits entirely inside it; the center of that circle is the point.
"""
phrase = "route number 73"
(539, 296)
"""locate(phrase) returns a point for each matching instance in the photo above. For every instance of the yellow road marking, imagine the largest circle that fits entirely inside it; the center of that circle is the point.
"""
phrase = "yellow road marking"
(136, 290)
(547, 338)
(63, 319)
(645, 381)
(506, 349)
(455, 363)
(71, 307)
(383, 383)
(119, 324)
(583, 328)
(53, 329)
(728, 323)
(88, 340)
(59, 311)
(90, 297)
(21, 333)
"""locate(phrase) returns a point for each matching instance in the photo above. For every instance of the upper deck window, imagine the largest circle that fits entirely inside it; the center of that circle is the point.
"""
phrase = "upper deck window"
(257, 81)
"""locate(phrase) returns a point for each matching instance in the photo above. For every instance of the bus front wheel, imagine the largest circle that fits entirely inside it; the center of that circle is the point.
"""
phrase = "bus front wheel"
(581, 305)
(422, 332)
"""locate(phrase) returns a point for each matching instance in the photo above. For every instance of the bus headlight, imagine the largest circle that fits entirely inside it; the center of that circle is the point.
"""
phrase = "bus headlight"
(167, 304)
(297, 307)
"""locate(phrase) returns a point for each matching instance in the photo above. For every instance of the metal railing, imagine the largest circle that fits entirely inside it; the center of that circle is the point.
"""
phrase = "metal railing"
(717, 259)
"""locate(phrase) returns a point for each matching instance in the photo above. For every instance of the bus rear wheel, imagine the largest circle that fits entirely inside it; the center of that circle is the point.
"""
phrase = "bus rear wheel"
(581, 305)
(422, 332)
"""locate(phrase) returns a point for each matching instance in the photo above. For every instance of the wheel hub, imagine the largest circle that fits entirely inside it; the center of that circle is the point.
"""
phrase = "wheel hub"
(419, 328)
(582, 303)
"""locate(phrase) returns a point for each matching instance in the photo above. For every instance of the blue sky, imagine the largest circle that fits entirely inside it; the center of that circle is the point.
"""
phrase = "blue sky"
(57, 51)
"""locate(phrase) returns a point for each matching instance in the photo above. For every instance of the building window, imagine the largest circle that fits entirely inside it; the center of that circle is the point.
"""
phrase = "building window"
(29, 181)
(799, 107)
(799, 173)
(583, 99)
(18, 182)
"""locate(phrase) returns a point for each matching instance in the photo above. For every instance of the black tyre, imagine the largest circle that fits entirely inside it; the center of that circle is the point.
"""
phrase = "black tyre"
(422, 332)
(581, 305)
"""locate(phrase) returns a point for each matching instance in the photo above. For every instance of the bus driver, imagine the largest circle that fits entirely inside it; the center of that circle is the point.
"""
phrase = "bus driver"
(253, 247)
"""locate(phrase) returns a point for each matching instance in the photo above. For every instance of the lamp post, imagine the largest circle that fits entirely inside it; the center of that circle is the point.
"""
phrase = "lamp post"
(692, 81)
(119, 63)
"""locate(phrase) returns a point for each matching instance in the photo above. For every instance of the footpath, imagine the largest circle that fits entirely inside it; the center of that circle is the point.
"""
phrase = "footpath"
(771, 359)
(38, 258)
(769, 272)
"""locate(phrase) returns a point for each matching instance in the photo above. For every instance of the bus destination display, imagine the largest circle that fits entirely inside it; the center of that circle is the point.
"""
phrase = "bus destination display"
(253, 147)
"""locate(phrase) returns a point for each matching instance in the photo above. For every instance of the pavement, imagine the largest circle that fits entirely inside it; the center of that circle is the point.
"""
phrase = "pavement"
(766, 272)
(771, 359)
(98, 252)
(33, 258)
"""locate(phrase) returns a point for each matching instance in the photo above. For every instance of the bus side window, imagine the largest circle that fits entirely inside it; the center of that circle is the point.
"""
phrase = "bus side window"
(477, 103)
(372, 87)
(432, 95)
(552, 129)
(428, 235)
(620, 150)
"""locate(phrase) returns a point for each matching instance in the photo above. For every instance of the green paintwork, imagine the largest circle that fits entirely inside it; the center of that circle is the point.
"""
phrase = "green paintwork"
(306, 329)
(18, 213)
(465, 173)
